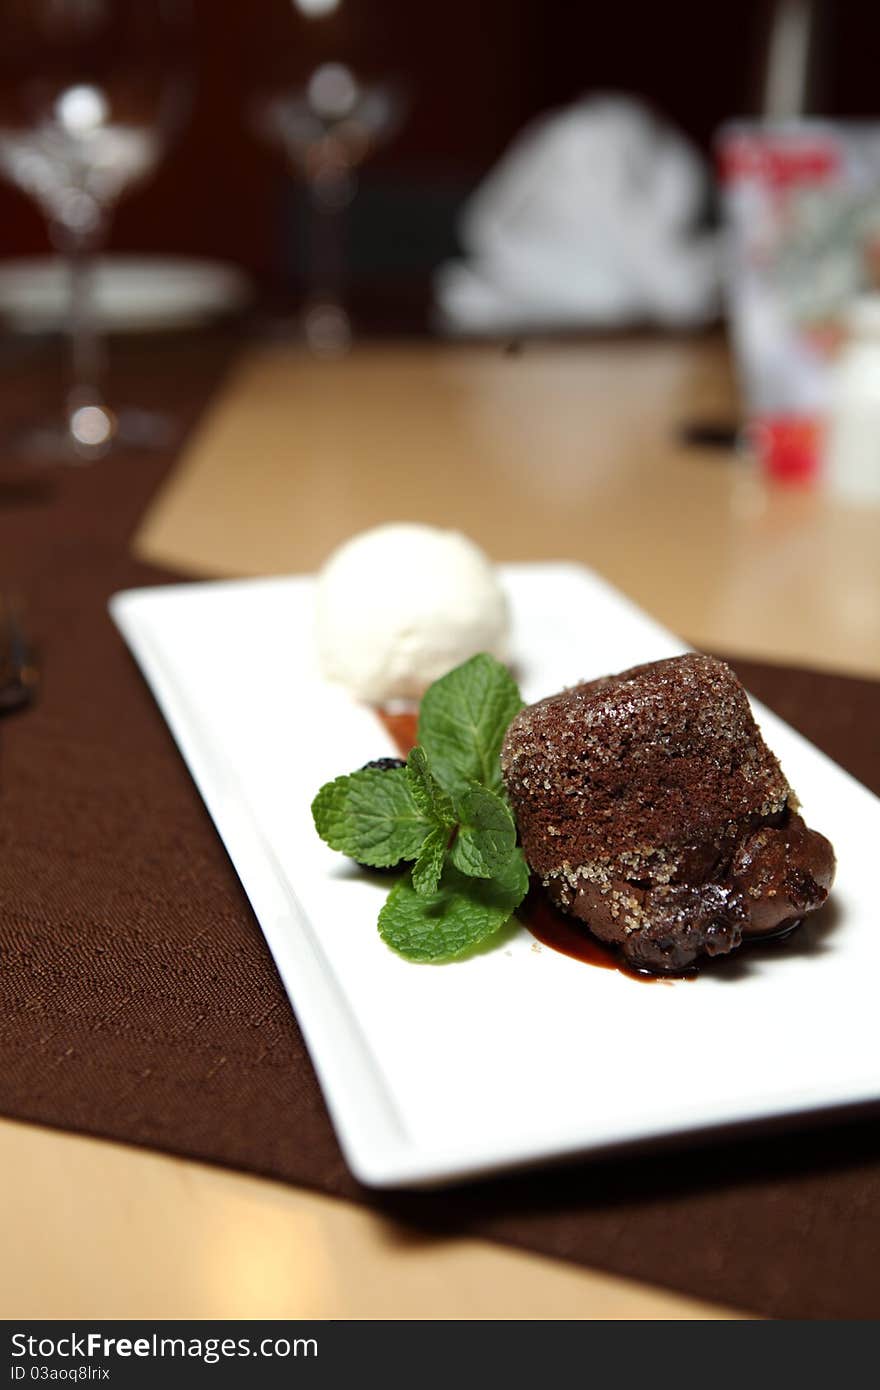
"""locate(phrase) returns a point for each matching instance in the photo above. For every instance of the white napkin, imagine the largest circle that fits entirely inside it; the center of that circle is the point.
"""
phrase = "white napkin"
(589, 219)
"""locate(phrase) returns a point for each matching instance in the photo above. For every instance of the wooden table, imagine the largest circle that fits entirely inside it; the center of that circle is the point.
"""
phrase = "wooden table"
(556, 452)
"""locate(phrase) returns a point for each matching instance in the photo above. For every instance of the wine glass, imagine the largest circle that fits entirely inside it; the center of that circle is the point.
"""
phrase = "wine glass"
(327, 128)
(90, 92)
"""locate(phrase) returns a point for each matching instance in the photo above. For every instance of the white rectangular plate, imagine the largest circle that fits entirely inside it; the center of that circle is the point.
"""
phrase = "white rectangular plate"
(520, 1054)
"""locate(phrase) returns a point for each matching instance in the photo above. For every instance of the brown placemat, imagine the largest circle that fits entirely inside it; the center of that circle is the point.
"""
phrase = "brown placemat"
(138, 1000)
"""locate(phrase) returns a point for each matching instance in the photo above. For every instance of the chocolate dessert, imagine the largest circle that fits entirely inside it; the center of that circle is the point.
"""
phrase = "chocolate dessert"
(651, 808)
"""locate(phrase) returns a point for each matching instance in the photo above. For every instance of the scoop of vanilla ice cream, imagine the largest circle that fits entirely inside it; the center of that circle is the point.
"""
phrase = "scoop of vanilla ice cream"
(400, 605)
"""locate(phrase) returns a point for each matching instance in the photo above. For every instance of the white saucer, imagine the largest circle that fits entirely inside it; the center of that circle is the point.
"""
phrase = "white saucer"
(133, 293)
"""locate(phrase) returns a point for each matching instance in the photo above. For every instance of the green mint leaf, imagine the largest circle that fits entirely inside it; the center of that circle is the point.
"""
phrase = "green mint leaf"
(486, 835)
(459, 915)
(429, 865)
(427, 793)
(463, 720)
(372, 816)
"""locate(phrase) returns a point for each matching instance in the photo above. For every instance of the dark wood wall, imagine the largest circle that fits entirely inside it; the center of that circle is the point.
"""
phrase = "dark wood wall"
(476, 70)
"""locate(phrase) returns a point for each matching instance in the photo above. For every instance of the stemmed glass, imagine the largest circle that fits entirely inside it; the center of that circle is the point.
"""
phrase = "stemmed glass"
(90, 93)
(327, 128)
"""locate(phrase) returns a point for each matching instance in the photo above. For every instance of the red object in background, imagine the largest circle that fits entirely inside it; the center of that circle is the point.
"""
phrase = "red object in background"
(812, 159)
(788, 447)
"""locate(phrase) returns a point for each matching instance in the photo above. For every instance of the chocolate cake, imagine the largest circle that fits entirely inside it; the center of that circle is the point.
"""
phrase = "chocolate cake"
(651, 808)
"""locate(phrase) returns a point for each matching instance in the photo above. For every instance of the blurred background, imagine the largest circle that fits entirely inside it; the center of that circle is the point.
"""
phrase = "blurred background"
(473, 77)
(322, 170)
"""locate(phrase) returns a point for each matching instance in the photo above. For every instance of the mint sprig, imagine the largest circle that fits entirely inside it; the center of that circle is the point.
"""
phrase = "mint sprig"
(463, 720)
(372, 816)
(428, 867)
(461, 914)
(427, 793)
(486, 833)
(444, 813)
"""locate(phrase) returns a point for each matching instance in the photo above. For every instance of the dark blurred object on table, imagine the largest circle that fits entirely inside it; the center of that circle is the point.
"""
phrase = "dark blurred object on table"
(19, 675)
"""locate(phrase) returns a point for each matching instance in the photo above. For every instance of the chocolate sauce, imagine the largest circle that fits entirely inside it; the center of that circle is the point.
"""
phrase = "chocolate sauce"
(570, 937)
(403, 727)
